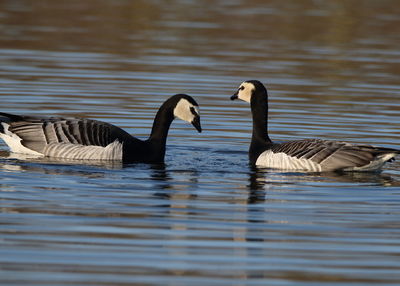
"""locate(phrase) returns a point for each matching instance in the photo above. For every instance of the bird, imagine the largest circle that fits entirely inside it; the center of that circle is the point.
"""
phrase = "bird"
(308, 155)
(87, 139)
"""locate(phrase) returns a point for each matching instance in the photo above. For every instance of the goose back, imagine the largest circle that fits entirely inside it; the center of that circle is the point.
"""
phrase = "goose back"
(64, 137)
(324, 155)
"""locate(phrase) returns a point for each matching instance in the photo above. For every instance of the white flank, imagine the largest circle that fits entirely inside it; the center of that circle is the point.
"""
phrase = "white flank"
(245, 91)
(13, 141)
(112, 152)
(182, 110)
(282, 161)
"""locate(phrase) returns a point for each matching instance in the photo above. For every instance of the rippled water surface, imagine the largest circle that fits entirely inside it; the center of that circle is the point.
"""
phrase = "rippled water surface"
(204, 217)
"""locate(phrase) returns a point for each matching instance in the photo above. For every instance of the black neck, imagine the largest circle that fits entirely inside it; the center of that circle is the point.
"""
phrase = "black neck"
(152, 150)
(159, 132)
(260, 139)
(161, 124)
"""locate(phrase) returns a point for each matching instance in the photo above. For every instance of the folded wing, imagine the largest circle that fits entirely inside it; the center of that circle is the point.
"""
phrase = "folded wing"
(336, 155)
(38, 133)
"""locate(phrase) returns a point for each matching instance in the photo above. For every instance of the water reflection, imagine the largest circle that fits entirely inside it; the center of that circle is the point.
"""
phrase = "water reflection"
(162, 180)
(261, 179)
(24, 162)
(173, 184)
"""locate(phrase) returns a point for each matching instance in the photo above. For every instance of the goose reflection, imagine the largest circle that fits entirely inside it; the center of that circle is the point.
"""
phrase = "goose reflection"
(168, 187)
(260, 179)
(14, 162)
(257, 185)
(162, 181)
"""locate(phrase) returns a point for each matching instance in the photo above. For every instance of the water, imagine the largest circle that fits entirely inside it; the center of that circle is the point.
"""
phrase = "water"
(204, 217)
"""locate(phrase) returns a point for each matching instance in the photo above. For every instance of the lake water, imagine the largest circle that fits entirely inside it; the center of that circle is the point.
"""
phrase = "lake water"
(205, 217)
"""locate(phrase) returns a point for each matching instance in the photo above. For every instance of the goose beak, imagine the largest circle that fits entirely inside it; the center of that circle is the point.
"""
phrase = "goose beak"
(196, 123)
(235, 96)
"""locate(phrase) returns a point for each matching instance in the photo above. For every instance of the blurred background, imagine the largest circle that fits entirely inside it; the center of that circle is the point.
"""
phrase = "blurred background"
(332, 69)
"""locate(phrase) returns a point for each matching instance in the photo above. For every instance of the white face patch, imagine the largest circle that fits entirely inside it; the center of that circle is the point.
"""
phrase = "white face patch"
(184, 110)
(245, 91)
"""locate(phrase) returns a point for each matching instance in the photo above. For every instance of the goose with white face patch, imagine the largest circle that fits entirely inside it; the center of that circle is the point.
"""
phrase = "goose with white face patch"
(86, 139)
(311, 155)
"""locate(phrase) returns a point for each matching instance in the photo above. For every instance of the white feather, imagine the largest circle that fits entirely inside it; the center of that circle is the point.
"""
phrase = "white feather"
(112, 151)
(283, 161)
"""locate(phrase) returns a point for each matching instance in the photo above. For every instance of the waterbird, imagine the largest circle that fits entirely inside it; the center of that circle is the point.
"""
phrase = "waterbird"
(309, 155)
(87, 139)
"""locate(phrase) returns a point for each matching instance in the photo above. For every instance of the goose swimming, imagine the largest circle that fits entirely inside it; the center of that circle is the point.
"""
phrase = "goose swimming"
(87, 139)
(314, 155)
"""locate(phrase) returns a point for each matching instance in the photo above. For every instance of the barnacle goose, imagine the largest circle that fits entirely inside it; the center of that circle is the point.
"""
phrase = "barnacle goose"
(311, 155)
(86, 139)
